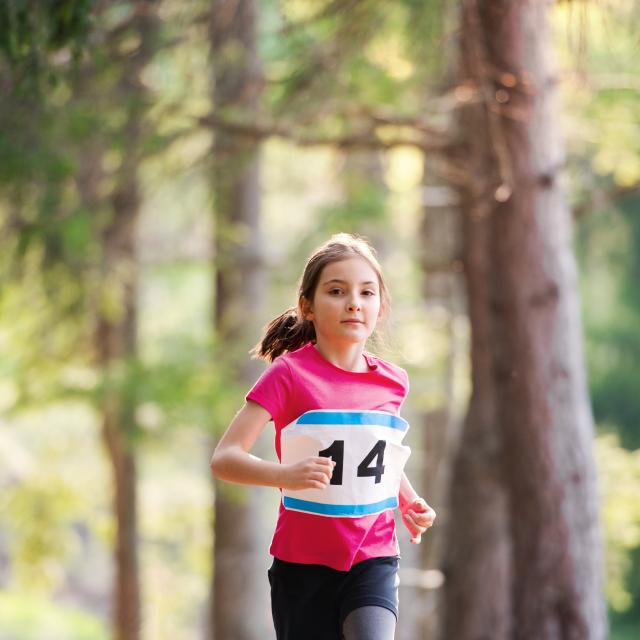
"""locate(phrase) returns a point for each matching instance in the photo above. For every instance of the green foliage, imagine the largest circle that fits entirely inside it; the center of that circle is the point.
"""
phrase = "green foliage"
(25, 616)
(609, 245)
(45, 512)
(35, 342)
(597, 43)
(35, 513)
(363, 205)
(330, 63)
(625, 631)
(30, 32)
(619, 472)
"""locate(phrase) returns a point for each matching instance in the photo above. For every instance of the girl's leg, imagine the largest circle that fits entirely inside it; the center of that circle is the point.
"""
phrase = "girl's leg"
(369, 623)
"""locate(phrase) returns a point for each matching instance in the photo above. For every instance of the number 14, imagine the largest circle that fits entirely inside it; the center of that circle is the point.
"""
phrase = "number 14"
(336, 452)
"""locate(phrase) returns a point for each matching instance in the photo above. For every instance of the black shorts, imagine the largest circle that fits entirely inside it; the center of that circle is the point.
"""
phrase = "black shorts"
(310, 601)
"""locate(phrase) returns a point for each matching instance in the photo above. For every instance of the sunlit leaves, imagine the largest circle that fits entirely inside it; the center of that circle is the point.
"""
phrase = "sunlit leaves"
(323, 59)
(598, 46)
(619, 480)
(24, 614)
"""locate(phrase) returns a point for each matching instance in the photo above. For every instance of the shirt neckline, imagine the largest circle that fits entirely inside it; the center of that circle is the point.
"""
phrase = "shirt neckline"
(369, 358)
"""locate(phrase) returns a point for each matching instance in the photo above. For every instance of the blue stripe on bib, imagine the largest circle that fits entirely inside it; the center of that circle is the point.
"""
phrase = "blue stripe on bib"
(354, 418)
(339, 509)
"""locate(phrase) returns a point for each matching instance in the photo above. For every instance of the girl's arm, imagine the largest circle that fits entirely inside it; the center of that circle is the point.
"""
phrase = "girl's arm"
(232, 461)
(417, 515)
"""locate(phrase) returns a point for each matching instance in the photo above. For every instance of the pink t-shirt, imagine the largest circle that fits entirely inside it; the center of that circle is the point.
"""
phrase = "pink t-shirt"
(302, 381)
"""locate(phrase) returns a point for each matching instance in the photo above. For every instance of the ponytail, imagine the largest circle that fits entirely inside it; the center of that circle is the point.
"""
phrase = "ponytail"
(287, 332)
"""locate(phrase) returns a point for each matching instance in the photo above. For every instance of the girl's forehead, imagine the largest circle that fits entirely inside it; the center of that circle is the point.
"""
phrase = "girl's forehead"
(354, 269)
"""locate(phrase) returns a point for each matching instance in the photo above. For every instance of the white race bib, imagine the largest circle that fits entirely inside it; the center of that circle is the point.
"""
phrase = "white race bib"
(369, 455)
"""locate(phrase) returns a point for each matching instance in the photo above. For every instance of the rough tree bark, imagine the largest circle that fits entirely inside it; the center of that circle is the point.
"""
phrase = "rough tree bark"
(528, 369)
(240, 609)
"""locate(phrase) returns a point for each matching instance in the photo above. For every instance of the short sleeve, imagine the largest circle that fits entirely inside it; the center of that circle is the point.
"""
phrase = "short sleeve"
(404, 376)
(272, 390)
(407, 385)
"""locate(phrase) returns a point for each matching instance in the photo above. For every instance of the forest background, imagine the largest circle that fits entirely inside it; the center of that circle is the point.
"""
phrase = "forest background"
(165, 169)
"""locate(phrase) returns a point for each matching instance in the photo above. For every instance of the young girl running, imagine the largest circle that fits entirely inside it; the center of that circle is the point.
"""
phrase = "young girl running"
(338, 436)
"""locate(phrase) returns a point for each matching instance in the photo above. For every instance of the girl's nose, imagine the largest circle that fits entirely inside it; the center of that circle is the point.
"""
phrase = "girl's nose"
(353, 305)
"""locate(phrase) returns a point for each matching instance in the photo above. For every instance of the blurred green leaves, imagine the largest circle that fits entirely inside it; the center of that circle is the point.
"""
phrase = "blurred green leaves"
(31, 617)
(619, 481)
(30, 32)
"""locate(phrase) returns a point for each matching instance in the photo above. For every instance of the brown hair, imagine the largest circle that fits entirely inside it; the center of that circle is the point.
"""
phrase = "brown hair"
(290, 331)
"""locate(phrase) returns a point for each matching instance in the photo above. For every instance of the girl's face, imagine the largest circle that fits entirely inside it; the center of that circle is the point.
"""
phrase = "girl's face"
(346, 304)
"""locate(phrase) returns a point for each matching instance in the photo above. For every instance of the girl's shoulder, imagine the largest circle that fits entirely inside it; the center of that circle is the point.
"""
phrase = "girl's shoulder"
(390, 368)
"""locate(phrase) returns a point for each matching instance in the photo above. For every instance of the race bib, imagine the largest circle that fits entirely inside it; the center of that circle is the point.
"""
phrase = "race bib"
(369, 455)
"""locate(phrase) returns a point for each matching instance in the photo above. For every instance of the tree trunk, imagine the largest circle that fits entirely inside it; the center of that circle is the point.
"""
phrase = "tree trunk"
(477, 526)
(240, 606)
(528, 370)
(116, 347)
(116, 324)
(478, 547)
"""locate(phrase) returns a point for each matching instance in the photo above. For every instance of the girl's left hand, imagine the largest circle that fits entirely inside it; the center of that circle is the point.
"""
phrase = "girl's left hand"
(417, 516)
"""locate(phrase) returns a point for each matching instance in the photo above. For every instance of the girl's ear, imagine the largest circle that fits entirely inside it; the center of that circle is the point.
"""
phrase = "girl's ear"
(305, 308)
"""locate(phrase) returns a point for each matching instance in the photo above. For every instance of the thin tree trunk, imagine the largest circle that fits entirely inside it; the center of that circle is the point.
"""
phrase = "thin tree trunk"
(240, 609)
(528, 370)
(116, 325)
(116, 346)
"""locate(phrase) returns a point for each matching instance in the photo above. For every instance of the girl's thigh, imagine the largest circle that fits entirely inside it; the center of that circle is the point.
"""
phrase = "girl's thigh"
(314, 602)
(369, 623)
(304, 601)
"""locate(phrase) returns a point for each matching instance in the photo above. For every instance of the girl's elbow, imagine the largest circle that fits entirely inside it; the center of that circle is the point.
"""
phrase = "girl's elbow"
(216, 464)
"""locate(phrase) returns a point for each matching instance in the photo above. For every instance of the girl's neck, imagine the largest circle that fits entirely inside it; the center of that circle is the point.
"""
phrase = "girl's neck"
(348, 356)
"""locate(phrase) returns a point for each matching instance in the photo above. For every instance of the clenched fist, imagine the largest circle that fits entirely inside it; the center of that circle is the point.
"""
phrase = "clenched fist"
(310, 473)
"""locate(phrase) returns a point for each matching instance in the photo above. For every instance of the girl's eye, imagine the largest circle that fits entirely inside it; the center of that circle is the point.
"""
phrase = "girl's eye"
(331, 291)
(370, 293)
